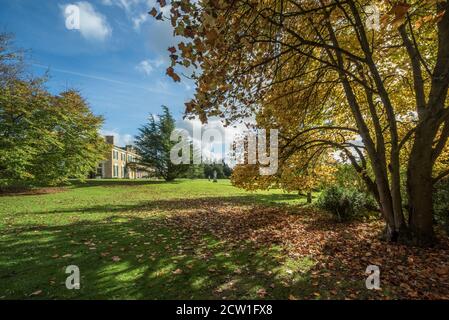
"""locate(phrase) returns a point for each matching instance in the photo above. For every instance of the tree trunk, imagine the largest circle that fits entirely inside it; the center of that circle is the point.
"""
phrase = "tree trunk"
(419, 189)
(309, 197)
(401, 230)
(386, 203)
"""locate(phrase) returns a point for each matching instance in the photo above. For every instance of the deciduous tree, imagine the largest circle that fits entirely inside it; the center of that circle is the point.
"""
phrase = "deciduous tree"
(44, 139)
(388, 87)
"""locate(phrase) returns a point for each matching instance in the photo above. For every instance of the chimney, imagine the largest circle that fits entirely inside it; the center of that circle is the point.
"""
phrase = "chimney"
(129, 148)
(110, 139)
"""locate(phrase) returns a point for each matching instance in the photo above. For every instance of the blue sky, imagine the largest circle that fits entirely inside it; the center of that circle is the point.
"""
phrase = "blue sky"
(117, 59)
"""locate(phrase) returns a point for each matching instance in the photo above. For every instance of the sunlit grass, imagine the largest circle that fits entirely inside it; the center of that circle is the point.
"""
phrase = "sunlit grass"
(114, 231)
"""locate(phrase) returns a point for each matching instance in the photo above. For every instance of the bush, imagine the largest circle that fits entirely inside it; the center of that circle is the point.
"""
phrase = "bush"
(345, 204)
(441, 204)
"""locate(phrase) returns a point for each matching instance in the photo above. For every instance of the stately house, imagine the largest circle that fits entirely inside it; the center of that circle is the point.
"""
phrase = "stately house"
(121, 162)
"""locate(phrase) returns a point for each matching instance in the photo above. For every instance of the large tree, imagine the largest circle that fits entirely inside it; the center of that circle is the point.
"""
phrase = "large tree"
(11, 60)
(44, 139)
(335, 81)
(154, 145)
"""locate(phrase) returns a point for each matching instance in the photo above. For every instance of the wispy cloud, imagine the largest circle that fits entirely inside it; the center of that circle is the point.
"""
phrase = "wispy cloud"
(157, 88)
(136, 10)
(139, 20)
(147, 66)
(127, 5)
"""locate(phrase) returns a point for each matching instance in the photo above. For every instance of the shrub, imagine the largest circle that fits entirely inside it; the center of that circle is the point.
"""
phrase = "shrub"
(345, 204)
(441, 204)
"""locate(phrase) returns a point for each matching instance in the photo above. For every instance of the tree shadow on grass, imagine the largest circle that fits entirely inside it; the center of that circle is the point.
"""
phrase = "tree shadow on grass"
(141, 258)
(198, 249)
(211, 248)
(117, 182)
(184, 204)
(43, 190)
(31, 192)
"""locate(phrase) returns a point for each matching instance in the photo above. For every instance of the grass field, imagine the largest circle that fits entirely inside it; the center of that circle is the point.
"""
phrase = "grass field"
(199, 240)
(120, 235)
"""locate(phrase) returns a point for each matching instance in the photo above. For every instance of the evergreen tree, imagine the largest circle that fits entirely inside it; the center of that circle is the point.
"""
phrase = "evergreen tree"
(154, 145)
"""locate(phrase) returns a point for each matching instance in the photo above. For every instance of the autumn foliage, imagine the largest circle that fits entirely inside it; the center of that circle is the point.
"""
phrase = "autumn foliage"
(330, 84)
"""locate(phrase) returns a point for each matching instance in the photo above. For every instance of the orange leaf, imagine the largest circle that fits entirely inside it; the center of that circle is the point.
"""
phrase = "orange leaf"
(153, 12)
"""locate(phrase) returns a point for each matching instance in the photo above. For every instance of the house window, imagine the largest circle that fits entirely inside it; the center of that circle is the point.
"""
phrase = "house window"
(100, 170)
(122, 156)
(115, 170)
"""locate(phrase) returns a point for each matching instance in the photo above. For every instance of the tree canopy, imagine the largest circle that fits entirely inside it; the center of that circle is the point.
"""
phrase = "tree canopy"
(316, 71)
(44, 139)
(154, 145)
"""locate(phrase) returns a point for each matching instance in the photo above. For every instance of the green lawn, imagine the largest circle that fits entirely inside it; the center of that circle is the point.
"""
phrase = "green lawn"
(129, 243)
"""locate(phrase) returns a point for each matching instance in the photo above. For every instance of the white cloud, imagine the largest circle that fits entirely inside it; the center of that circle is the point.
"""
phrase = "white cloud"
(139, 20)
(120, 140)
(216, 150)
(93, 25)
(147, 66)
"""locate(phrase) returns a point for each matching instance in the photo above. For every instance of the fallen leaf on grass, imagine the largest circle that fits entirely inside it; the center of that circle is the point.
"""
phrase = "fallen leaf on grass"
(262, 293)
(36, 293)
(177, 271)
